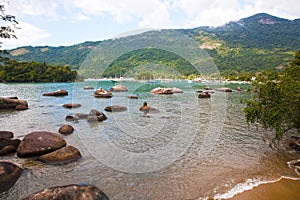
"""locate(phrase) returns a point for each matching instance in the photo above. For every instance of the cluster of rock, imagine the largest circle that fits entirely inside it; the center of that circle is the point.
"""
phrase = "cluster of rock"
(160, 90)
(93, 116)
(118, 88)
(102, 93)
(44, 146)
(13, 103)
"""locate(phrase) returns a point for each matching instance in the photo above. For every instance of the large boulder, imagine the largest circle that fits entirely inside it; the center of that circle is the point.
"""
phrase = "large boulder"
(101, 93)
(162, 91)
(64, 155)
(96, 115)
(6, 134)
(9, 174)
(57, 93)
(8, 146)
(115, 108)
(71, 105)
(66, 129)
(70, 192)
(118, 88)
(9, 103)
(39, 143)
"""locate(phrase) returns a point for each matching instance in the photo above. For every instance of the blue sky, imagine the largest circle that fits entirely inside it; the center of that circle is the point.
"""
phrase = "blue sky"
(68, 22)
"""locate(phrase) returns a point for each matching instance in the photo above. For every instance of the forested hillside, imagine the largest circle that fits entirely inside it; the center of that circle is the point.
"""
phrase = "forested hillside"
(255, 43)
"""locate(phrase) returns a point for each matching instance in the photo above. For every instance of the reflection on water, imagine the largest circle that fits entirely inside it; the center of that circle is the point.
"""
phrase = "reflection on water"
(193, 148)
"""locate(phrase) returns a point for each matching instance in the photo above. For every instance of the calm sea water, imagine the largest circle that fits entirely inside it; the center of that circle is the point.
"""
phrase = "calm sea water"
(192, 149)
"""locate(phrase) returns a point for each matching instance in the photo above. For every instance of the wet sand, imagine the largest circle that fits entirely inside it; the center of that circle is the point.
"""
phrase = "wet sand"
(282, 189)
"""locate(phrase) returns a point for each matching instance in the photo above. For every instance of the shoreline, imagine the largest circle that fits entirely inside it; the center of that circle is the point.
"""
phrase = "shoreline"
(282, 188)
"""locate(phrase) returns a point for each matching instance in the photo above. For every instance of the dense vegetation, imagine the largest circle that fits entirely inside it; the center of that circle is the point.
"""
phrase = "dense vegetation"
(276, 102)
(259, 42)
(13, 71)
(156, 62)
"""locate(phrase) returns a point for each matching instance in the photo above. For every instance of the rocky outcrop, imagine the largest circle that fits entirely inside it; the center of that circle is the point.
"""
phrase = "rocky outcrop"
(8, 146)
(118, 88)
(39, 143)
(61, 156)
(6, 134)
(71, 118)
(9, 174)
(71, 105)
(162, 91)
(66, 129)
(101, 93)
(96, 115)
(115, 108)
(57, 93)
(9, 103)
(70, 192)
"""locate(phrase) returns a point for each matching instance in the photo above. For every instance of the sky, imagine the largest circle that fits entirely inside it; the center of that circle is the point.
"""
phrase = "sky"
(69, 22)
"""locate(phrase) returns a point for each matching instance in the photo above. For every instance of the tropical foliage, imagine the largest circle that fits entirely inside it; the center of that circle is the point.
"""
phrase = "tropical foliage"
(13, 71)
(276, 102)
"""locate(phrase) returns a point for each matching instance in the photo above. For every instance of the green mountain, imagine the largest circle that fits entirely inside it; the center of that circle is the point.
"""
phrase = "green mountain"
(255, 43)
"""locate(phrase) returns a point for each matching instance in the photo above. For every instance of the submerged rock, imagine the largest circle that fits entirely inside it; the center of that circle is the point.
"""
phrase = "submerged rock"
(9, 174)
(39, 143)
(204, 94)
(71, 105)
(66, 129)
(96, 114)
(8, 103)
(118, 88)
(57, 93)
(115, 108)
(6, 134)
(224, 89)
(69, 192)
(88, 87)
(132, 97)
(72, 118)
(61, 156)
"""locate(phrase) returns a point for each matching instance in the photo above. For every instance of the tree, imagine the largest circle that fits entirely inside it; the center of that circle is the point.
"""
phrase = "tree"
(276, 102)
(6, 29)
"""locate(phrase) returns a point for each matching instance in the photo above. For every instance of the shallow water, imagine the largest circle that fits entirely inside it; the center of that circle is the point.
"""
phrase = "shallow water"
(192, 149)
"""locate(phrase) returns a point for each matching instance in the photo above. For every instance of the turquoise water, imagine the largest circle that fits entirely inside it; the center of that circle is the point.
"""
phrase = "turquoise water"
(193, 148)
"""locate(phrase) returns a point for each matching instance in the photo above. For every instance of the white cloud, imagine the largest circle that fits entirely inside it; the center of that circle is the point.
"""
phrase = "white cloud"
(26, 35)
(151, 13)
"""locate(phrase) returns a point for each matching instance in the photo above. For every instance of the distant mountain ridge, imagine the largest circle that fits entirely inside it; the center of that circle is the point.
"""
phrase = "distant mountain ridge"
(261, 41)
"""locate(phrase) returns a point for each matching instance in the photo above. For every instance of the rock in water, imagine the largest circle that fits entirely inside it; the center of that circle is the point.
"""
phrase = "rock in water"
(6, 134)
(69, 192)
(71, 105)
(9, 174)
(57, 93)
(8, 103)
(61, 156)
(115, 108)
(118, 88)
(162, 91)
(66, 129)
(95, 114)
(39, 143)
(101, 93)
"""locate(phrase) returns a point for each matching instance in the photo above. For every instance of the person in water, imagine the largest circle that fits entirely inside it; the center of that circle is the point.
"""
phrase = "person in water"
(146, 109)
